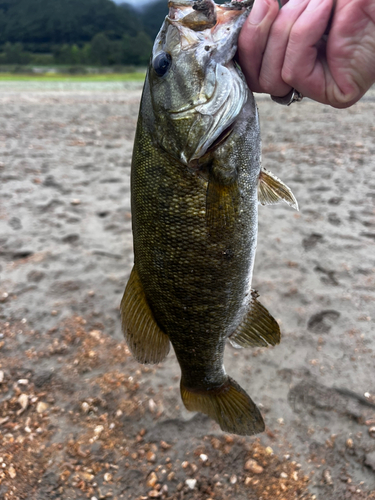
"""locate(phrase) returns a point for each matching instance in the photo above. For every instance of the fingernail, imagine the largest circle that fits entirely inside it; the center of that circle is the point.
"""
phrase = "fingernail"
(259, 11)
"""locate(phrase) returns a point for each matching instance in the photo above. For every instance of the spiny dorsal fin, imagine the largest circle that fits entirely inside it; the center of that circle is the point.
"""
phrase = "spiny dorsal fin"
(229, 405)
(258, 329)
(271, 190)
(146, 341)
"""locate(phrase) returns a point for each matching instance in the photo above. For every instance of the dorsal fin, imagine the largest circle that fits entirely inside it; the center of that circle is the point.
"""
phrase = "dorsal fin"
(271, 190)
(258, 328)
(146, 341)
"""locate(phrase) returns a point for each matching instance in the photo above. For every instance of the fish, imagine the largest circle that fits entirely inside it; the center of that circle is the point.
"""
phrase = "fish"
(196, 182)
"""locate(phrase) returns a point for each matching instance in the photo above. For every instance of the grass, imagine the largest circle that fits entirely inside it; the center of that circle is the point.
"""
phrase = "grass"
(63, 77)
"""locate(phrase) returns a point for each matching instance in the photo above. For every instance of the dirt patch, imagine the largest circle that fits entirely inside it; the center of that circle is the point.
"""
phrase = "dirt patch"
(79, 418)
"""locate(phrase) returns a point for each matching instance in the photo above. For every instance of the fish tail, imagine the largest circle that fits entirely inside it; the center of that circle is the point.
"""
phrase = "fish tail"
(228, 404)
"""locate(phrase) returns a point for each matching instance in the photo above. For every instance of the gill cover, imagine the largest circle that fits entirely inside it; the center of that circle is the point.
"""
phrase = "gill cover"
(196, 90)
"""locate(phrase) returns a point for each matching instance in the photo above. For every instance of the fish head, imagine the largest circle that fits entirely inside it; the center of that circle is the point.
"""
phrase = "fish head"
(197, 91)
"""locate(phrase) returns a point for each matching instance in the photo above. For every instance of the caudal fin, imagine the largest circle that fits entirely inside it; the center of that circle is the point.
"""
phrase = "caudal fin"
(229, 405)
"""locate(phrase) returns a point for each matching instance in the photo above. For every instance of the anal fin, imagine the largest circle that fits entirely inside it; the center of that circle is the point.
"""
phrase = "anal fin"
(258, 328)
(228, 405)
(272, 190)
(145, 339)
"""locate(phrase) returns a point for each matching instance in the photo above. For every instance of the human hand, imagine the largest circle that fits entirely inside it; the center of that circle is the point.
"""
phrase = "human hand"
(288, 48)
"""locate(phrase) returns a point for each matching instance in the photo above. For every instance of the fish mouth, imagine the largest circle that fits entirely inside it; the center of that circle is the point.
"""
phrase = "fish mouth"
(223, 92)
(198, 15)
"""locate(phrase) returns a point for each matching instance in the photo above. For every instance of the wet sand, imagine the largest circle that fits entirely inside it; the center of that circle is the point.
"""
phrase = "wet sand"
(79, 418)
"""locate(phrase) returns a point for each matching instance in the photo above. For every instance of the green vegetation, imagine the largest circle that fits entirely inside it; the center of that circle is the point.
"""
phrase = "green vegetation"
(77, 32)
(52, 77)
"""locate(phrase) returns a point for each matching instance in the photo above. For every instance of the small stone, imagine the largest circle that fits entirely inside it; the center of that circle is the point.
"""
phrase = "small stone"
(12, 472)
(295, 475)
(23, 401)
(171, 476)
(185, 465)
(349, 443)
(86, 476)
(41, 407)
(284, 475)
(151, 457)
(152, 406)
(203, 457)
(165, 445)
(85, 407)
(76, 201)
(98, 430)
(233, 479)
(269, 451)
(152, 480)
(253, 466)
(191, 483)
(371, 431)
(154, 494)
(96, 334)
(1, 376)
(327, 477)
(248, 481)
(23, 381)
(107, 477)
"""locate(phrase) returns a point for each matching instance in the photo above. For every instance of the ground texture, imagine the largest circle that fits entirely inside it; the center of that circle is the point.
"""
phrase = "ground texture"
(79, 418)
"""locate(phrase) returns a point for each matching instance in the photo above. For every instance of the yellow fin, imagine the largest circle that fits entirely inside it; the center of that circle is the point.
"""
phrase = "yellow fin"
(271, 190)
(220, 204)
(258, 329)
(228, 405)
(146, 341)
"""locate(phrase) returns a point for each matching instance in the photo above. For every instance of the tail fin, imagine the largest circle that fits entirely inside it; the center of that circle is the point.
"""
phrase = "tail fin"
(229, 405)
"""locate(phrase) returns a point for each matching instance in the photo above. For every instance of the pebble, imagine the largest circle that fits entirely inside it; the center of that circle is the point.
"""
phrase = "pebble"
(283, 475)
(23, 381)
(154, 493)
(349, 443)
(12, 472)
(98, 429)
(1, 376)
(23, 401)
(371, 431)
(41, 407)
(191, 483)
(203, 457)
(152, 406)
(152, 480)
(107, 477)
(253, 466)
(85, 407)
(76, 201)
(151, 457)
(233, 479)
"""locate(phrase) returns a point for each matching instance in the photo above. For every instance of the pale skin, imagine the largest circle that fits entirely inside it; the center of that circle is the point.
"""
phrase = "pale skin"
(323, 48)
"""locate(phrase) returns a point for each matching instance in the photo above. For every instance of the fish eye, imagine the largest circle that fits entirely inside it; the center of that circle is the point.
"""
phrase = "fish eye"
(162, 63)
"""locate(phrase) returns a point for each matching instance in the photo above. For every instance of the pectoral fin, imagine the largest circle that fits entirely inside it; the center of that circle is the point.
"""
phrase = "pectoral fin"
(271, 190)
(258, 329)
(146, 341)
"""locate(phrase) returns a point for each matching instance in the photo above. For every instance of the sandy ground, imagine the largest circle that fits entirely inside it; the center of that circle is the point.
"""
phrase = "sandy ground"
(79, 418)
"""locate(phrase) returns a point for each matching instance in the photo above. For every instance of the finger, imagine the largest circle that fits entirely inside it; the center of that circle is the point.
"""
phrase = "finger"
(304, 65)
(270, 77)
(253, 40)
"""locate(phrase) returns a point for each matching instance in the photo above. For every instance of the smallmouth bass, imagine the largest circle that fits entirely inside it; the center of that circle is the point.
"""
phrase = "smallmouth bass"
(196, 183)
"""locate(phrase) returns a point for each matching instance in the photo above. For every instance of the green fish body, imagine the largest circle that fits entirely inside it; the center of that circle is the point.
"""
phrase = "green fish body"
(196, 183)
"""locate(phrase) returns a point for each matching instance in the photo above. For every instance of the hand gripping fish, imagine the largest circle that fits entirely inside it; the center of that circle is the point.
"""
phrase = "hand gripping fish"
(196, 182)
